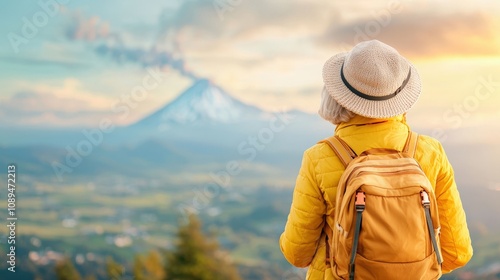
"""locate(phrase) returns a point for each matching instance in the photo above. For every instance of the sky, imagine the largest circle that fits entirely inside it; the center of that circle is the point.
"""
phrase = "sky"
(70, 63)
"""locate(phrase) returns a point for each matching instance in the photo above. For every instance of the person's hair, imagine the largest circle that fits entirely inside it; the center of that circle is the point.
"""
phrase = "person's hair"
(332, 111)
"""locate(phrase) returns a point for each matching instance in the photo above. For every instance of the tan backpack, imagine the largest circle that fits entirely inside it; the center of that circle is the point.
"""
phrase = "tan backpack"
(386, 216)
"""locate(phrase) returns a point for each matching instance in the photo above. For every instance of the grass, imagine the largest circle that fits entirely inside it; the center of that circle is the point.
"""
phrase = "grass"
(157, 201)
(154, 211)
(32, 203)
(42, 218)
(46, 231)
(256, 250)
(96, 212)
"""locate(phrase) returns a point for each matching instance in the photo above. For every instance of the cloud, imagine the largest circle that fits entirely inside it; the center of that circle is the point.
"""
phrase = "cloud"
(204, 24)
(285, 14)
(414, 28)
(117, 46)
(194, 32)
(145, 57)
(67, 105)
(87, 29)
(422, 35)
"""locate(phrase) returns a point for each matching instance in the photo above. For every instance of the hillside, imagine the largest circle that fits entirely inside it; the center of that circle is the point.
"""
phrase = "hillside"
(232, 163)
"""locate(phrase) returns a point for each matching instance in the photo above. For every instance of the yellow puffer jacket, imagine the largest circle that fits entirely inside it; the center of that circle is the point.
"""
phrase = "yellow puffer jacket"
(303, 241)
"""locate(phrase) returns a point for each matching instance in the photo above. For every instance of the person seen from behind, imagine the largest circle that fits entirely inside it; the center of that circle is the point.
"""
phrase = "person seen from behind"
(399, 215)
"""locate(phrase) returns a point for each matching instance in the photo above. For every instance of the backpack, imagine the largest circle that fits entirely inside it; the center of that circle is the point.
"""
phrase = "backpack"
(386, 216)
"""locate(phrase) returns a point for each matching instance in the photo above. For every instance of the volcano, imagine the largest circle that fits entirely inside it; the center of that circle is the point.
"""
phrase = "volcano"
(203, 102)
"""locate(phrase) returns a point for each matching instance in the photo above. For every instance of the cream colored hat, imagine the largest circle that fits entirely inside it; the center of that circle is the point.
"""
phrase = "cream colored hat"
(372, 80)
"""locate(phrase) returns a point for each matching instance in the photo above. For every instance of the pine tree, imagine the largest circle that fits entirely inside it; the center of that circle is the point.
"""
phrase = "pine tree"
(115, 270)
(197, 257)
(65, 270)
(149, 267)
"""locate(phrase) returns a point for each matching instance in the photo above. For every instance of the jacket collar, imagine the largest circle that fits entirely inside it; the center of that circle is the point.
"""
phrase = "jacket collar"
(357, 121)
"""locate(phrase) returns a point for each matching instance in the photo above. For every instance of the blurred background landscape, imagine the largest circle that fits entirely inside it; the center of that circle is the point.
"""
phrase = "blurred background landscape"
(138, 127)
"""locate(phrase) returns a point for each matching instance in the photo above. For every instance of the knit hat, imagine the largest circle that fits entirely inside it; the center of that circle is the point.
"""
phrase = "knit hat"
(372, 80)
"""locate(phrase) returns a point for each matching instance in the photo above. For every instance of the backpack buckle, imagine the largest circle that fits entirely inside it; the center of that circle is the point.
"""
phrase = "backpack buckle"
(425, 198)
(360, 201)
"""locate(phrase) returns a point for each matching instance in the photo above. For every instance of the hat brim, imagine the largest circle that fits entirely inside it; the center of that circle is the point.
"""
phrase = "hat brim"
(397, 105)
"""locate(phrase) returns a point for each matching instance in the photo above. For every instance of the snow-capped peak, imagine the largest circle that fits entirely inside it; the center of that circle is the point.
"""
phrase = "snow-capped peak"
(204, 101)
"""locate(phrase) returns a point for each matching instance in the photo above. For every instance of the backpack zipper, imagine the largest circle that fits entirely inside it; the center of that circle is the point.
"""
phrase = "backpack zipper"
(382, 166)
(407, 171)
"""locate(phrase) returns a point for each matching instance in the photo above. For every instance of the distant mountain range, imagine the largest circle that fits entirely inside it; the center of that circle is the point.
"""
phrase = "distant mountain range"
(202, 136)
(203, 128)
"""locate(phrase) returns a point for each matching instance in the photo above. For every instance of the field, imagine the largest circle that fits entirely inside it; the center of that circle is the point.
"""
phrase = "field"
(122, 218)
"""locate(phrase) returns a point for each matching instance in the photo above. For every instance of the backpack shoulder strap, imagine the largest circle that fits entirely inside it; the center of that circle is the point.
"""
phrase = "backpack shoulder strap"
(341, 149)
(411, 144)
